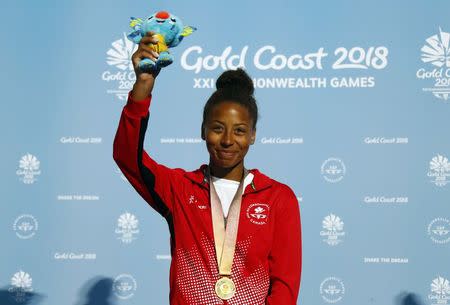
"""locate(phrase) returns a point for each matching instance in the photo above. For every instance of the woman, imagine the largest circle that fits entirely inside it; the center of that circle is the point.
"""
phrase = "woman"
(235, 233)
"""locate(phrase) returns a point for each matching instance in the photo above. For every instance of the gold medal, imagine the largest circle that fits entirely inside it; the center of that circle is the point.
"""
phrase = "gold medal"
(225, 288)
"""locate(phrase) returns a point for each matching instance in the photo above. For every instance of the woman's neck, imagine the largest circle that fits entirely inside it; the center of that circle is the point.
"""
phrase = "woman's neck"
(232, 173)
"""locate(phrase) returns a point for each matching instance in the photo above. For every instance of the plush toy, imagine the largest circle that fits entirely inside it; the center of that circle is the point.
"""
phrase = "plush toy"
(170, 31)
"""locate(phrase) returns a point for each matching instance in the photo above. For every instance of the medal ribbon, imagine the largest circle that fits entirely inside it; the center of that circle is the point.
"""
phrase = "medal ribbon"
(225, 230)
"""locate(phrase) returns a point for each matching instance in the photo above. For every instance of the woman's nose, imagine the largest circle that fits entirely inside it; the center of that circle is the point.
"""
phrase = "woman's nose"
(227, 139)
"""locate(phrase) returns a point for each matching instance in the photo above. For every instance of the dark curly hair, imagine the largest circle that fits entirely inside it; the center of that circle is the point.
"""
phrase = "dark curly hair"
(236, 86)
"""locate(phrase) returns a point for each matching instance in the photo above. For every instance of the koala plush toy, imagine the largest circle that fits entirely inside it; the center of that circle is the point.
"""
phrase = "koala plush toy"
(170, 31)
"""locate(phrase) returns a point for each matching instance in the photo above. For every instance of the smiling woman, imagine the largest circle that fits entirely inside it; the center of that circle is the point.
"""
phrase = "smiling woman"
(235, 232)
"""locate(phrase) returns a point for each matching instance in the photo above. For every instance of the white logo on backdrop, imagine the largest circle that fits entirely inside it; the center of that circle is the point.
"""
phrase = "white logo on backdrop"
(127, 227)
(269, 58)
(20, 285)
(333, 170)
(440, 291)
(28, 168)
(436, 52)
(332, 290)
(122, 74)
(439, 170)
(124, 286)
(25, 226)
(439, 230)
(333, 230)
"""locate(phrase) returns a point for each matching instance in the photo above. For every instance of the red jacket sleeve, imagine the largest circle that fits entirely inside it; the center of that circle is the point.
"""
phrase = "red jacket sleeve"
(153, 181)
(285, 258)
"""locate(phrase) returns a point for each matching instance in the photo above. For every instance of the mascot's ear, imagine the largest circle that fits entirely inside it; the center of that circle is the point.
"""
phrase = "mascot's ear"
(136, 34)
(188, 30)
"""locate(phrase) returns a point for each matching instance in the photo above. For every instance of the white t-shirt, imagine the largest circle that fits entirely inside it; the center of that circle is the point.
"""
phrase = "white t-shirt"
(226, 189)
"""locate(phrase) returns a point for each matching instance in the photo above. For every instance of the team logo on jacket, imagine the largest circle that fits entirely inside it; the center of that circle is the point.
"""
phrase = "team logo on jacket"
(258, 213)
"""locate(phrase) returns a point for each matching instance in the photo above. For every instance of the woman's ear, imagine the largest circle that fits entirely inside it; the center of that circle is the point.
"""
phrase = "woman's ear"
(203, 132)
(253, 136)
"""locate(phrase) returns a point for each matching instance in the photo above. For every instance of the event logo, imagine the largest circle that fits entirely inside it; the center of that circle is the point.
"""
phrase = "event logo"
(20, 286)
(333, 170)
(439, 170)
(28, 168)
(436, 53)
(121, 74)
(258, 213)
(124, 286)
(440, 291)
(439, 230)
(127, 227)
(333, 230)
(332, 290)
(25, 226)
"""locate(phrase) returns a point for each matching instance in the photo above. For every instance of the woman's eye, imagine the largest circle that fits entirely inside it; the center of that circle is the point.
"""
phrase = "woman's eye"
(239, 130)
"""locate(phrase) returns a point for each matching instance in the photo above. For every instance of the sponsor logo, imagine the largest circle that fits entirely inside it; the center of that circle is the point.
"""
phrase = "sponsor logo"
(28, 168)
(25, 226)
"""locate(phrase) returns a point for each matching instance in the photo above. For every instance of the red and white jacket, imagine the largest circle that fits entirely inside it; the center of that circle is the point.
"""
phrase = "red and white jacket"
(267, 262)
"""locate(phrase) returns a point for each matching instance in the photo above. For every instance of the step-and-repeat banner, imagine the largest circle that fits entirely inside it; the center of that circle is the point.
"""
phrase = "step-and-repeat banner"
(355, 116)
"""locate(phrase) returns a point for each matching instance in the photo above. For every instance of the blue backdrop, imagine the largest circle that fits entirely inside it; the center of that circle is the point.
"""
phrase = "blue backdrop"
(355, 106)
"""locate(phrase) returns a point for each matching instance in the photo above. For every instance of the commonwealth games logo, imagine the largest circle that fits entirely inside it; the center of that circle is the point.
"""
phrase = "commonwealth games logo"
(25, 226)
(124, 286)
(333, 230)
(440, 291)
(333, 170)
(20, 286)
(439, 230)
(28, 168)
(127, 227)
(436, 53)
(121, 74)
(439, 170)
(332, 290)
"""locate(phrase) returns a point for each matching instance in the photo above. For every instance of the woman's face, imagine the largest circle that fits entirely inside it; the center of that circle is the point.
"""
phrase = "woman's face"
(228, 133)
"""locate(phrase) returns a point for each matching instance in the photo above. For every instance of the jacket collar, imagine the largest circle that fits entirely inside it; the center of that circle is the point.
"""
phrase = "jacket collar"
(259, 181)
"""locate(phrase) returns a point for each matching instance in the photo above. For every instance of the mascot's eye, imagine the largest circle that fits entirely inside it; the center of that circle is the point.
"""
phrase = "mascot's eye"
(150, 17)
(173, 19)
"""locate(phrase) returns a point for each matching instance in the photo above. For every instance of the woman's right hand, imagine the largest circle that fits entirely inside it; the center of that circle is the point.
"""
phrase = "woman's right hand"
(144, 81)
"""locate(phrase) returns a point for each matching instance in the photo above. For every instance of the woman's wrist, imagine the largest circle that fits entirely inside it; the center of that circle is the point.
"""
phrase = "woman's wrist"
(142, 89)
